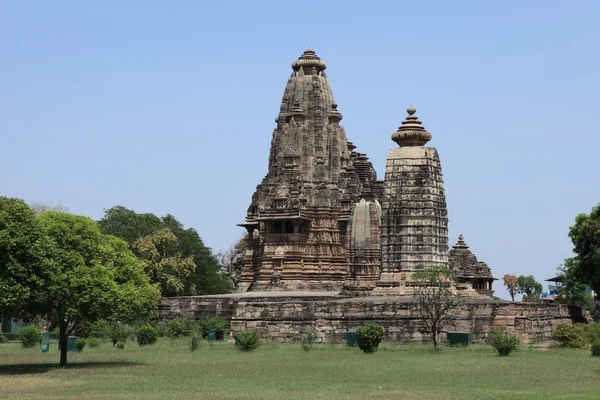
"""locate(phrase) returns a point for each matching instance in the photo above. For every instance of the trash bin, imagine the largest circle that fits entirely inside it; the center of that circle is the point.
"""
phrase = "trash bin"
(459, 338)
(351, 339)
(215, 336)
(45, 341)
(71, 346)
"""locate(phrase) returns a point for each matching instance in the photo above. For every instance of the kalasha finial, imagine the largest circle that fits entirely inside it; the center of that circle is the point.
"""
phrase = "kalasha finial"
(461, 238)
(461, 243)
(411, 133)
(309, 60)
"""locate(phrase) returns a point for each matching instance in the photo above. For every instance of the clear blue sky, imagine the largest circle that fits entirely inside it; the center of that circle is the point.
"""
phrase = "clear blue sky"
(168, 107)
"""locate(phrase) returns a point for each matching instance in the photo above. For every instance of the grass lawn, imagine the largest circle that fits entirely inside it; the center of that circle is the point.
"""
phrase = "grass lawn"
(276, 371)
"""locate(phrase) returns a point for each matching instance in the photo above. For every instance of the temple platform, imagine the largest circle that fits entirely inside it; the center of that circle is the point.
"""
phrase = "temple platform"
(284, 316)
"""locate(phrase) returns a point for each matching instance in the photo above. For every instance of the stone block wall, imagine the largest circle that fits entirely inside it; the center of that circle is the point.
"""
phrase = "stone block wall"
(284, 320)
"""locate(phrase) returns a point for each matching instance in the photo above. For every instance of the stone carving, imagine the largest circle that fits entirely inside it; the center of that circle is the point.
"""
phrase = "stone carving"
(474, 277)
(321, 221)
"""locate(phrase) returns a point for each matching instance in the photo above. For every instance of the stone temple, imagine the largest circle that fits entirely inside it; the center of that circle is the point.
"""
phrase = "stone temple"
(332, 247)
(320, 220)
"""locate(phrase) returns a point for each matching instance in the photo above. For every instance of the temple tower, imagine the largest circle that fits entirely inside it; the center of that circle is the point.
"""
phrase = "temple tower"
(298, 217)
(414, 225)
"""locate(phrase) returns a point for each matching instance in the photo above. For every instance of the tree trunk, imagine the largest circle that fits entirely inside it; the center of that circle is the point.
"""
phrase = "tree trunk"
(63, 338)
(436, 345)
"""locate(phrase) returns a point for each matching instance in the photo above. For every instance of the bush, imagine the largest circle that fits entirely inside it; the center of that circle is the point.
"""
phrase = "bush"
(2, 338)
(368, 337)
(504, 343)
(117, 333)
(211, 324)
(83, 329)
(146, 334)
(307, 339)
(30, 336)
(591, 332)
(247, 341)
(120, 345)
(179, 327)
(596, 348)
(80, 343)
(194, 343)
(569, 335)
(93, 342)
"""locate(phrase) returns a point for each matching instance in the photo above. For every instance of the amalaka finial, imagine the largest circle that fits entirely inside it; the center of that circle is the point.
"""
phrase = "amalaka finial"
(461, 243)
(411, 133)
(309, 60)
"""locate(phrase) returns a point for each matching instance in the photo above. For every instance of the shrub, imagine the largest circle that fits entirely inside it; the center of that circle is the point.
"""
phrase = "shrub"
(194, 343)
(211, 324)
(569, 335)
(504, 343)
(2, 338)
(368, 337)
(98, 329)
(179, 327)
(30, 336)
(120, 345)
(117, 333)
(146, 334)
(591, 332)
(80, 343)
(247, 341)
(307, 339)
(93, 342)
(596, 348)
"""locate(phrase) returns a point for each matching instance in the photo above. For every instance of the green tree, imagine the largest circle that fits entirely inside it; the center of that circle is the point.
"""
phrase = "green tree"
(128, 225)
(23, 268)
(573, 291)
(94, 276)
(208, 276)
(529, 287)
(434, 299)
(165, 264)
(585, 235)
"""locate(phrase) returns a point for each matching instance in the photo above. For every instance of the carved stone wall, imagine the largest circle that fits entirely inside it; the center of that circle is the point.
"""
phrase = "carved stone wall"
(303, 204)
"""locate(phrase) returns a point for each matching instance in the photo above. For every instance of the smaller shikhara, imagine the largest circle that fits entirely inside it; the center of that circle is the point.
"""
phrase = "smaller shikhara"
(320, 220)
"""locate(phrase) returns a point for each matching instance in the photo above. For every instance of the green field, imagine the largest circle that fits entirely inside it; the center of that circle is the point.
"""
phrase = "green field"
(274, 371)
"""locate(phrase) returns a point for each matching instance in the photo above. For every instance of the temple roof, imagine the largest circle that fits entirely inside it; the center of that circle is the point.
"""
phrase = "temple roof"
(465, 263)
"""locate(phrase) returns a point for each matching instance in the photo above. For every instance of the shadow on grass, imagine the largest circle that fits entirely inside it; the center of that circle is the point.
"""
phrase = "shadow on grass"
(27, 369)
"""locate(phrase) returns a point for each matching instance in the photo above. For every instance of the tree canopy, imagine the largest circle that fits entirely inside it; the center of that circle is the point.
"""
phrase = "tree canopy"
(94, 276)
(528, 286)
(585, 235)
(23, 268)
(148, 239)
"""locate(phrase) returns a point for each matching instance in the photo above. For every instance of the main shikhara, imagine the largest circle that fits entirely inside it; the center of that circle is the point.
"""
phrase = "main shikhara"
(320, 220)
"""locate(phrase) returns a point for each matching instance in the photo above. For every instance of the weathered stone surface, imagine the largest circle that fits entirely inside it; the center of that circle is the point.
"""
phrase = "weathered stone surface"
(332, 318)
(473, 276)
(298, 216)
